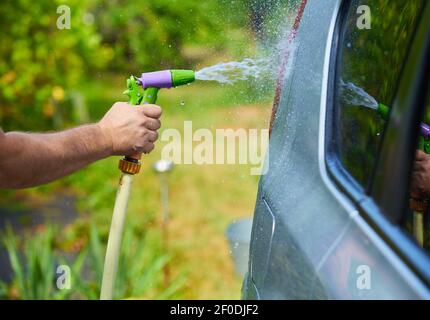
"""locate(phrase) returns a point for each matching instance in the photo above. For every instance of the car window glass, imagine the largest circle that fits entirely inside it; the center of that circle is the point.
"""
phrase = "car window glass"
(369, 67)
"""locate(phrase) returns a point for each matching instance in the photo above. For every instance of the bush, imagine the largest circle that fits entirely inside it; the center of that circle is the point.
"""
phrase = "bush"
(38, 61)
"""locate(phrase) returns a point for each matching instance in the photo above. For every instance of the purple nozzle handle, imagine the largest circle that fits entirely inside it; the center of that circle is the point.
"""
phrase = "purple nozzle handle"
(157, 79)
(425, 130)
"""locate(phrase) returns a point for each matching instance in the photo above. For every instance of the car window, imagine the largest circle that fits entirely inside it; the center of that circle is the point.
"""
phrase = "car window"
(368, 69)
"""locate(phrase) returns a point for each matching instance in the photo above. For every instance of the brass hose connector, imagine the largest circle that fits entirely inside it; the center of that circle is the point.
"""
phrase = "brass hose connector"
(418, 205)
(130, 166)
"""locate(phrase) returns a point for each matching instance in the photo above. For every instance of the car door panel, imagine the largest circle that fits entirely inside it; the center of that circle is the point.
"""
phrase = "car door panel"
(307, 217)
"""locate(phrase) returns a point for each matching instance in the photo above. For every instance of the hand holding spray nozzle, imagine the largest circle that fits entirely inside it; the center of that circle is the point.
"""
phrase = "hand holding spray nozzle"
(141, 90)
(144, 90)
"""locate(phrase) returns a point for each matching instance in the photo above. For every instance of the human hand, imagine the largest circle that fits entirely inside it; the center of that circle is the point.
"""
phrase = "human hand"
(420, 179)
(131, 129)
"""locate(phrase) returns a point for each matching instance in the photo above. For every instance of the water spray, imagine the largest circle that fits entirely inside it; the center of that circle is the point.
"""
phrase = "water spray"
(143, 90)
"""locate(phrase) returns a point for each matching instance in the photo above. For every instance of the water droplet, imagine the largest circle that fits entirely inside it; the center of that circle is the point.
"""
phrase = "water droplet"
(182, 103)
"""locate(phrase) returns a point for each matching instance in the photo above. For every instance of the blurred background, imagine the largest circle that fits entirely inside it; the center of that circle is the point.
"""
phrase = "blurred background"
(52, 79)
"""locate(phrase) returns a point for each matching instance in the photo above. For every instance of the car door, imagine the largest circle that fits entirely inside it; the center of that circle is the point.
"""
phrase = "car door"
(321, 223)
(369, 157)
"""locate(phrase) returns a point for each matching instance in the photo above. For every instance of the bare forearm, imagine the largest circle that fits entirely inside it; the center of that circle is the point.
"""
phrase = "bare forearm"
(31, 159)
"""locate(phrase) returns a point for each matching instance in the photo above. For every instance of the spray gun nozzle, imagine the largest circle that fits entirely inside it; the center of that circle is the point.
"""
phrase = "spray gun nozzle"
(182, 77)
(166, 78)
(383, 111)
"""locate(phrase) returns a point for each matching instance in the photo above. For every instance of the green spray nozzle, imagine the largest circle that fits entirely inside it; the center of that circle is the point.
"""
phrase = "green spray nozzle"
(182, 77)
(424, 137)
(383, 111)
(166, 78)
(145, 89)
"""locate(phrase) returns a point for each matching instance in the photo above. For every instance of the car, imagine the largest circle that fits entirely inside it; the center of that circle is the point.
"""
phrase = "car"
(332, 218)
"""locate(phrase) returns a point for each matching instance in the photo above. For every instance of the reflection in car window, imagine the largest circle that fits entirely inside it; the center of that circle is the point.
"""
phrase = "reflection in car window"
(417, 221)
(369, 66)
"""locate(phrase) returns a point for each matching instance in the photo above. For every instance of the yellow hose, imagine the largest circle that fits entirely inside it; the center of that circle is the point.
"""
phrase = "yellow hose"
(115, 237)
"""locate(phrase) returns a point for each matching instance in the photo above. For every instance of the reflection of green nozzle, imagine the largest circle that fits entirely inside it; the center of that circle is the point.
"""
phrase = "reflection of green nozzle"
(383, 111)
(181, 77)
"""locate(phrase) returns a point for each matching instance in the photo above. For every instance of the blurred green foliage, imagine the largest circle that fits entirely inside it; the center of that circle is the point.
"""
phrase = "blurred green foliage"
(38, 60)
(33, 264)
(152, 34)
(35, 259)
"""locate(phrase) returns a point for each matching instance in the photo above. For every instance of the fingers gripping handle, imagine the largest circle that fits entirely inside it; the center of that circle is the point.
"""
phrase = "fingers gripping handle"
(149, 97)
(137, 95)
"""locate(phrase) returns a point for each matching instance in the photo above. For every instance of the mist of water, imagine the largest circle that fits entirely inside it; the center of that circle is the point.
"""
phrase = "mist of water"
(263, 69)
(231, 72)
(273, 43)
(354, 95)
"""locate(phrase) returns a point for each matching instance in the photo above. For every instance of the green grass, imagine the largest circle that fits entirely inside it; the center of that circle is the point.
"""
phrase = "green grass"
(203, 199)
(34, 257)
